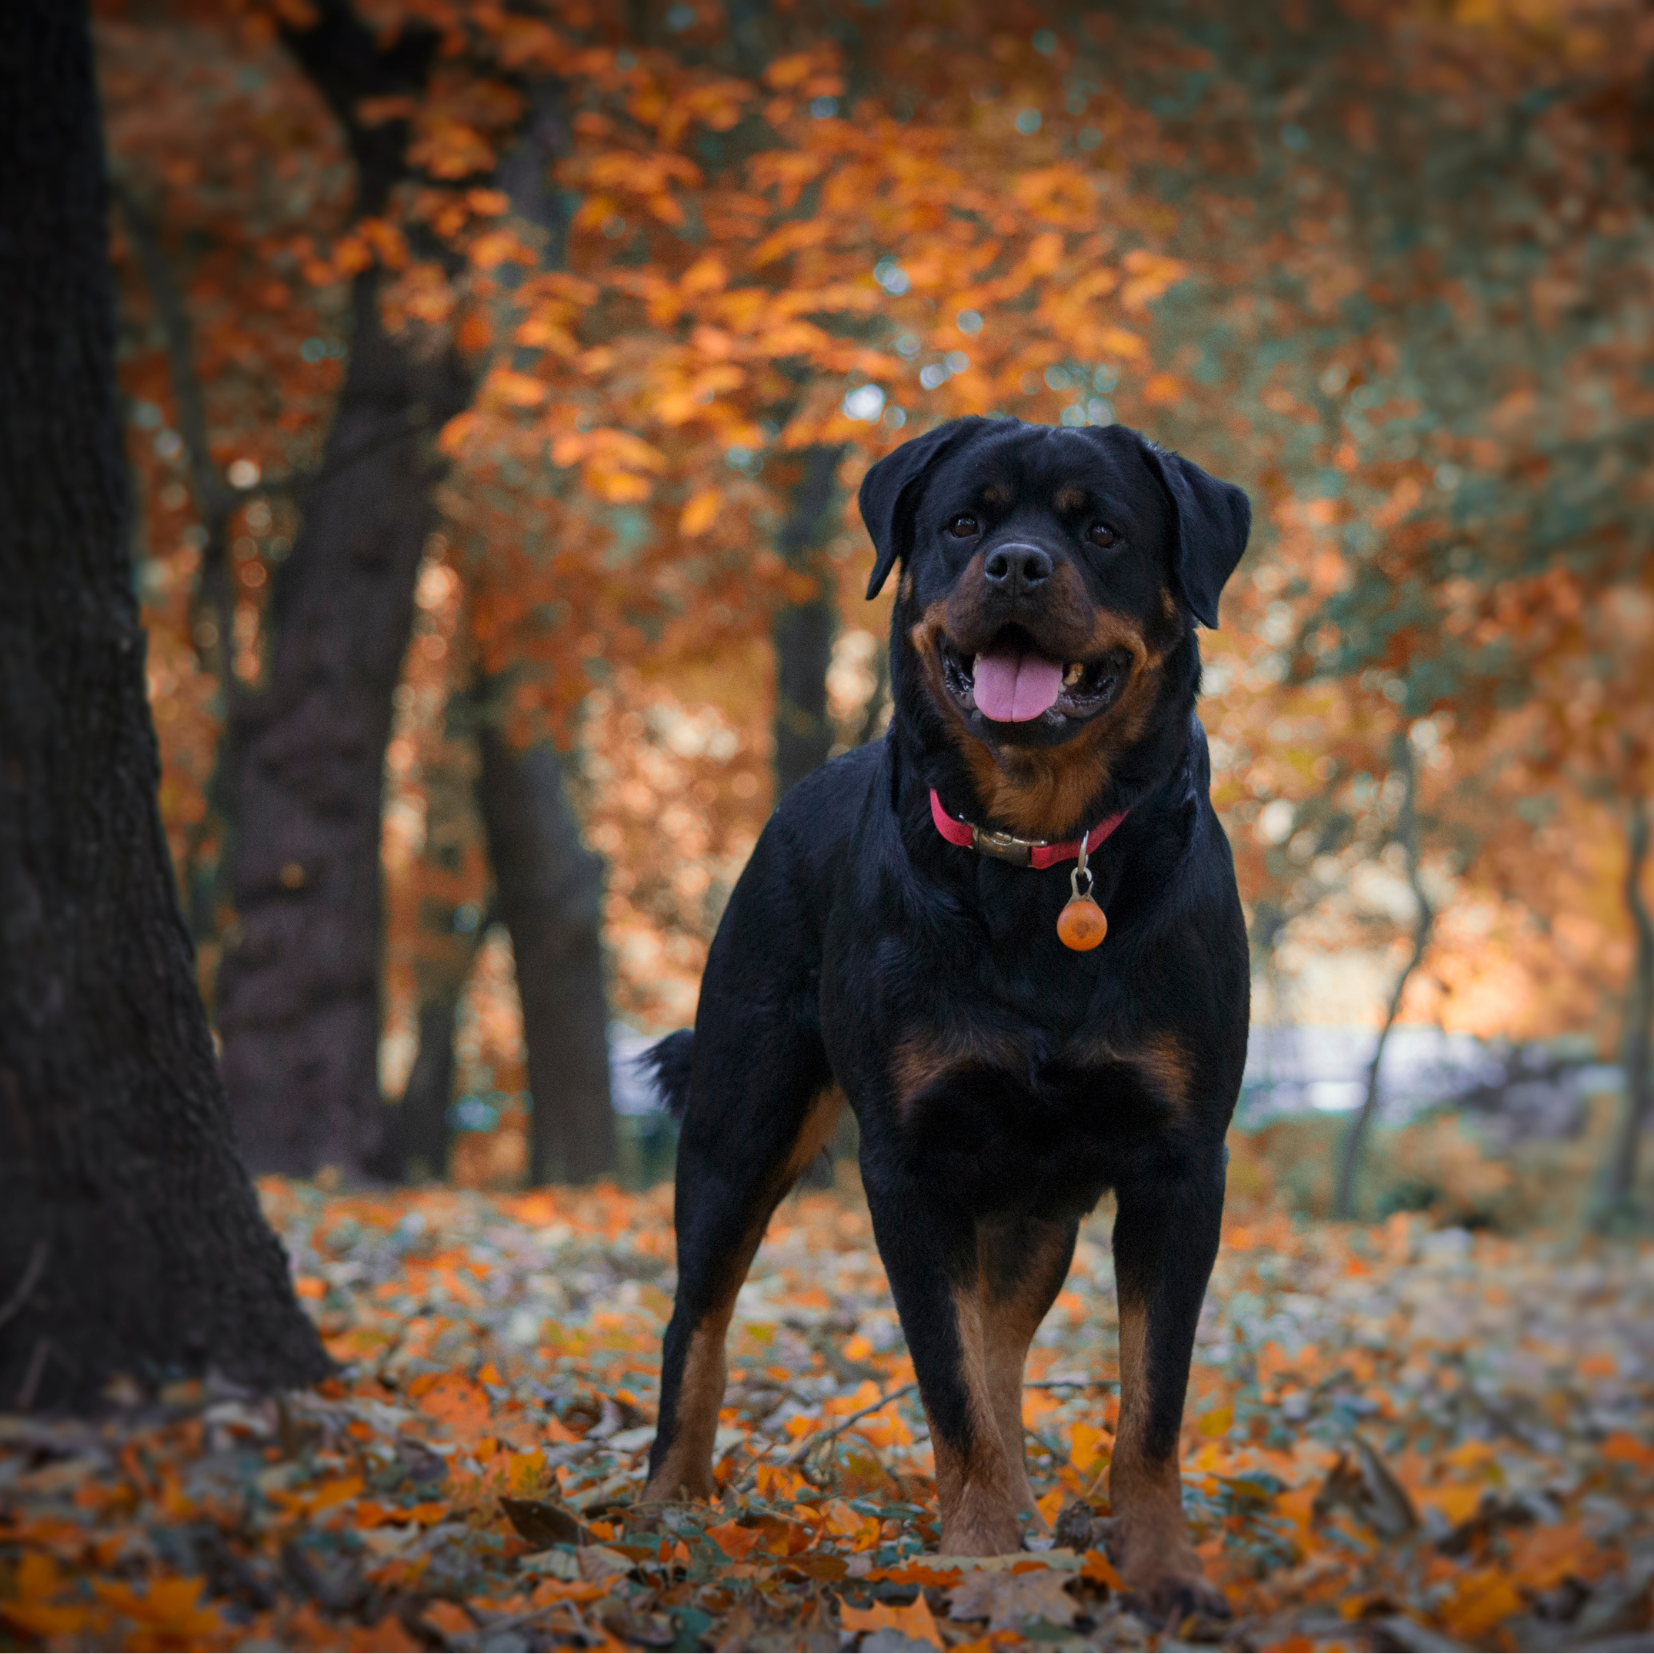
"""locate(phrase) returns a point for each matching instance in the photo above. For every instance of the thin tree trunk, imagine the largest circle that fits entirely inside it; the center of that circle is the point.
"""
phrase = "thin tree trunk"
(298, 992)
(549, 891)
(1621, 1181)
(548, 885)
(130, 1238)
(1407, 833)
(418, 1129)
(803, 633)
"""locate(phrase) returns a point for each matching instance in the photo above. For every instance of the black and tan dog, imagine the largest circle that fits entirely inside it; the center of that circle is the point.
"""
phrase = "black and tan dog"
(894, 941)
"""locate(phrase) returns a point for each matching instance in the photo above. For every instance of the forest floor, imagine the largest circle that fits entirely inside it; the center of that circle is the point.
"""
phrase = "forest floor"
(1398, 1437)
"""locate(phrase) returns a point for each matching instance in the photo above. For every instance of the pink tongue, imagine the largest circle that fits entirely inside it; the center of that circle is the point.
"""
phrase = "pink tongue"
(1011, 688)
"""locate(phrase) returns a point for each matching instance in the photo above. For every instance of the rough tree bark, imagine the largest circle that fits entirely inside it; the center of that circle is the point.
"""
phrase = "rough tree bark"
(549, 891)
(1621, 1182)
(298, 992)
(803, 632)
(1407, 835)
(130, 1238)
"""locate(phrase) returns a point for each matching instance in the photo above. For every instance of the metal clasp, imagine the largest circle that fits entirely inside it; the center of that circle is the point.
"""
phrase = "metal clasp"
(1004, 846)
(1081, 871)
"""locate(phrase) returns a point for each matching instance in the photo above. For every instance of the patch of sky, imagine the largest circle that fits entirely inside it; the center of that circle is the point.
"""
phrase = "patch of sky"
(865, 402)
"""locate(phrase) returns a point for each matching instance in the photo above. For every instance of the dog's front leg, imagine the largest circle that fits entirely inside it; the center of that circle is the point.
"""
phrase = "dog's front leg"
(930, 1253)
(1165, 1239)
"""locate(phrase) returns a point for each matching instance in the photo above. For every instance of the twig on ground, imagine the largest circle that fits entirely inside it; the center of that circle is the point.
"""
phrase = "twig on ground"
(820, 1438)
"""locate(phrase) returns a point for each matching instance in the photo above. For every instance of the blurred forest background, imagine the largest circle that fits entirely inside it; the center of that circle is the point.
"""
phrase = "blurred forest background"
(498, 380)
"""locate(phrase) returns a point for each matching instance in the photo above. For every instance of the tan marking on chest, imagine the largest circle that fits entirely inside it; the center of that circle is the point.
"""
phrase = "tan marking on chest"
(1161, 1059)
(924, 1059)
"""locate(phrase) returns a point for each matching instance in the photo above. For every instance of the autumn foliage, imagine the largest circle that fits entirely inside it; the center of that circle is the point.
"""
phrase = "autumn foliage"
(1386, 266)
(1396, 1434)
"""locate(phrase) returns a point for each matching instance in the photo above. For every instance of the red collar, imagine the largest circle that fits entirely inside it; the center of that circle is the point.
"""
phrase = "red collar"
(1024, 852)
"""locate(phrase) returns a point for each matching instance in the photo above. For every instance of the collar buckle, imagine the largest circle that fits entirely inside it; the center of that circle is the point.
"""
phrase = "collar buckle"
(1004, 846)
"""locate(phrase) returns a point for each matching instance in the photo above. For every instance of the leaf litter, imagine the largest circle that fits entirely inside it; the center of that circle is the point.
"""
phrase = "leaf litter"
(1397, 1437)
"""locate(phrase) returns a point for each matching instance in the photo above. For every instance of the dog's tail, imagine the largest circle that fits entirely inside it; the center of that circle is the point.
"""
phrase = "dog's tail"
(669, 1060)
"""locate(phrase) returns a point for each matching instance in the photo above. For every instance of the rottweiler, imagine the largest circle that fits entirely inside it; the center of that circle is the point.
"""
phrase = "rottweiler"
(894, 941)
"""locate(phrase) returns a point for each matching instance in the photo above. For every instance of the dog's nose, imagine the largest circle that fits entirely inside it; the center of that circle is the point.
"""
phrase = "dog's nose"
(1015, 569)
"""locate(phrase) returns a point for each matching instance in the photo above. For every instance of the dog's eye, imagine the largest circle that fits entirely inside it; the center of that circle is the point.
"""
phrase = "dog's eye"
(962, 528)
(1100, 534)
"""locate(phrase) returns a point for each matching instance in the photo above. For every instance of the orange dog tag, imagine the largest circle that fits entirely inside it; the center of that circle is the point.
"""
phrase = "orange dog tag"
(1081, 925)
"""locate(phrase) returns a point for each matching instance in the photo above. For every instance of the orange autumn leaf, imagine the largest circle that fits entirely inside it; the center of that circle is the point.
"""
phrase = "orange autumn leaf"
(734, 1540)
(915, 1621)
(1482, 1600)
(457, 1402)
(700, 512)
(1097, 1567)
(168, 1612)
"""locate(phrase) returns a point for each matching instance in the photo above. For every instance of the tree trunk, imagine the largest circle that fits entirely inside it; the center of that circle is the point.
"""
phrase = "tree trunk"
(418, 1129)
(298, 992)
(130, 1238)
(803, 633)
(1621, 1181)
(548, 891)
(548, 886)
(1407, 832)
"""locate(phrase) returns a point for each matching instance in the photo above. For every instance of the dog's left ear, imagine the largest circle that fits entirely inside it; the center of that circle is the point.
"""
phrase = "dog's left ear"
(1213, 521)
(889, 490)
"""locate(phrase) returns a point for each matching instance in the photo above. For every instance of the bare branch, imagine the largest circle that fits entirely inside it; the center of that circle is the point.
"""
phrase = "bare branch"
(1407, 835)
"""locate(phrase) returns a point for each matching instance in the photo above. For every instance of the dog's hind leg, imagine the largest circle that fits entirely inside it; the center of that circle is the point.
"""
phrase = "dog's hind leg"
(1024, 1262)
(761, 1108)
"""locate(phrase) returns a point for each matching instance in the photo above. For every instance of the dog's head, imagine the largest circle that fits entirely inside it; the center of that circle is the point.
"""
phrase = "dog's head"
(1051, 579)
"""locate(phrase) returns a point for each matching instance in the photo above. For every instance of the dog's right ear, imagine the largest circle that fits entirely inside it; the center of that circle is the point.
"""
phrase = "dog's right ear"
(889, 490)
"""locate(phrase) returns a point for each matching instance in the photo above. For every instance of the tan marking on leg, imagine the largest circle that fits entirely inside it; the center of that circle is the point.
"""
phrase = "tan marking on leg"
(686, 1470)
(974, 1485)
(815, 1134)
(1009, 1322)
(907, 587)
(1154, 1554)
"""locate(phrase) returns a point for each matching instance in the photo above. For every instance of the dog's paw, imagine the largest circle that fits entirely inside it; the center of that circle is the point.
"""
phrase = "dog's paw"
(679, 1484)
(1170, 1595)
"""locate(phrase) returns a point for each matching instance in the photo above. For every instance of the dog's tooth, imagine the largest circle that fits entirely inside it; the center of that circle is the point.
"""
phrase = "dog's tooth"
(976, 661)
(1073, 675)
